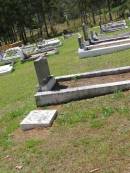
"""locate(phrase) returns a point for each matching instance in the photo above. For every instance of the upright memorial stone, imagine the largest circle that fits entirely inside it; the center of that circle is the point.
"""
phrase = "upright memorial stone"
(100, 25)
(80, 41)
(93, 36)
(45, 80)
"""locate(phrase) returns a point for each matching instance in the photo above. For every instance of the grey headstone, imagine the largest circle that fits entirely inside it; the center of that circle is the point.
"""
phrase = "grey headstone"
(95, 37)
(91, 34)
(42, 70)
(80, 41)
(38, 118)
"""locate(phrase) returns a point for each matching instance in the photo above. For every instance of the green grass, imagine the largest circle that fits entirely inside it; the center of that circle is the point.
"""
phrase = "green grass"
(87, 134)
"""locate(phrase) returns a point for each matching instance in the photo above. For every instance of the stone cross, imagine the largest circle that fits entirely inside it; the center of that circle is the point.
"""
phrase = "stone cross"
(42, 70)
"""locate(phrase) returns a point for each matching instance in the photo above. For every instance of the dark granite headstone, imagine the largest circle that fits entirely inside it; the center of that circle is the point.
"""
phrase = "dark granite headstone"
(91, 34)
(80, 41)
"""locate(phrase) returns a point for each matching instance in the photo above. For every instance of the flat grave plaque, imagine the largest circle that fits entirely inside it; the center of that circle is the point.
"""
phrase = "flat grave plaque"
(38, 118)
(5, 69)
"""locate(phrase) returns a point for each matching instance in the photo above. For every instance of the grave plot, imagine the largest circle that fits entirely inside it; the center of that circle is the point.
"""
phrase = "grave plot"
(29, 49)
(92, 46)
(12, 54)
(36, 49)
(55, 42)
(91, 81)
(109, 43)
(103, 48)
(64, 89)
(113, 26)
(96, 39)
(32, 51)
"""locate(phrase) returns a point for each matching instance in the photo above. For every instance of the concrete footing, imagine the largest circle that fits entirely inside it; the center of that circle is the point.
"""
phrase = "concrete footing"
(50, 84)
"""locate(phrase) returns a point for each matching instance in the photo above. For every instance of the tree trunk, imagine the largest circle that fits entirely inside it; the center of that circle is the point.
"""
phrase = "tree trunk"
(109, 9)
(93, 17)
(104, 14)
(51, 25)
(45, 24)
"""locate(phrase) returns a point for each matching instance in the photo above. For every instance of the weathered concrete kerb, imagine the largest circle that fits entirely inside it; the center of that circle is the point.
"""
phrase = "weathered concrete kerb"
(71, 94)
(96, 73)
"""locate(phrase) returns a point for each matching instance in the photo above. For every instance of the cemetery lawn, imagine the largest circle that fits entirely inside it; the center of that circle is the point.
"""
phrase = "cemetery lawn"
(90, 135)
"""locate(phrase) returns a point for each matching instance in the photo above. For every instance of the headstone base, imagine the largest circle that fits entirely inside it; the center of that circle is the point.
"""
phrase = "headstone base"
(48, 86)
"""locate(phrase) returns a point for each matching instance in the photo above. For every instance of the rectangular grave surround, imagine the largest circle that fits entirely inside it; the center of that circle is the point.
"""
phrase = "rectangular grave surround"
(38, 118)
(65, 95)
(103, 50)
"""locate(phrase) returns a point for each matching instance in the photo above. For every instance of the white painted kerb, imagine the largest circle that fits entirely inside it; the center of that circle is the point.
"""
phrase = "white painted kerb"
(103, 50)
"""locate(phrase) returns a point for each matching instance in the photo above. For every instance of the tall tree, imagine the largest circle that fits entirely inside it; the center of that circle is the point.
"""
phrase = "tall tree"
(109, 9)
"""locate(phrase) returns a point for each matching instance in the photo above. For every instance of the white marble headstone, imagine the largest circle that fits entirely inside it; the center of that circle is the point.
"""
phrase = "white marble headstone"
(38, 118)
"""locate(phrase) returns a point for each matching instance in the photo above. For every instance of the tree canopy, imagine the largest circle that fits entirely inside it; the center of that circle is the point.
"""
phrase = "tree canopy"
(19, 17)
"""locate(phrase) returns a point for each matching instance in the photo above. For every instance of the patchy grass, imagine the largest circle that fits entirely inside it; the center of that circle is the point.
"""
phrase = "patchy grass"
(88, 134)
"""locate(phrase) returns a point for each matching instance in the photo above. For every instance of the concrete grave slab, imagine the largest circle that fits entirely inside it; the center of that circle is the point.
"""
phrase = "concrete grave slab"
(38, 118)
(6, 69)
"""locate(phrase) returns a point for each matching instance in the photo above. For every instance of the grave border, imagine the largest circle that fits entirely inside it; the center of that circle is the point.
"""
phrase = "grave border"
(83, 92)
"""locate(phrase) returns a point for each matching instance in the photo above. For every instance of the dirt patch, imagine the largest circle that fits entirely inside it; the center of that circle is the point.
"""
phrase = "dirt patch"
(21, 136)
(39, 133)
(91, 81)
